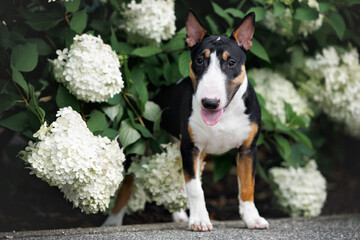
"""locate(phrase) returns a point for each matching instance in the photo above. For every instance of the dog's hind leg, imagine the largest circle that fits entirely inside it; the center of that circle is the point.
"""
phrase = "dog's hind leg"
(246, 162)
(118, 213)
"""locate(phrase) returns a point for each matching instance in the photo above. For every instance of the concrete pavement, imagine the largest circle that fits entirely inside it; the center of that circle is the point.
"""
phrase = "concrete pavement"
(324, 227)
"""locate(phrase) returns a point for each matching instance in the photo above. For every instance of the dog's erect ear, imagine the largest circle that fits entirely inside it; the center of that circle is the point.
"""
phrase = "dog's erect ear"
(243, 35)
(194, 31)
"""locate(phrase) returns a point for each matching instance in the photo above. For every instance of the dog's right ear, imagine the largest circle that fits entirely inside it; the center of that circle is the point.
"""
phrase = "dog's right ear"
(194, 31)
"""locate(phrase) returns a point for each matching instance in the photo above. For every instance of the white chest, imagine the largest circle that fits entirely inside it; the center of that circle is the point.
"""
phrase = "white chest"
(230, 132)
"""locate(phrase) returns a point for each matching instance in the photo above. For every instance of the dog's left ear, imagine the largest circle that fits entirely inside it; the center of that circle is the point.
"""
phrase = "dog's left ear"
(243, 35)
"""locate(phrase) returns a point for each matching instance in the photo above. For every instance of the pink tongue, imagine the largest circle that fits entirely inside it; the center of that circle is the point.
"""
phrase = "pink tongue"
(211, 117)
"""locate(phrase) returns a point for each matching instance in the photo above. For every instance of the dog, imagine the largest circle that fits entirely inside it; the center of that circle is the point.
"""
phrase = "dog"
(213, 111)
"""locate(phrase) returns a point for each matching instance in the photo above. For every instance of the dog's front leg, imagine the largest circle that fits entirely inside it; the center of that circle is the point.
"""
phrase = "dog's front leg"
(246, 162)
(199, 217)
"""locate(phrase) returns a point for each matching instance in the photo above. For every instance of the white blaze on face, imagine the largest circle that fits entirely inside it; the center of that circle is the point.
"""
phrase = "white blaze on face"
(212, 83)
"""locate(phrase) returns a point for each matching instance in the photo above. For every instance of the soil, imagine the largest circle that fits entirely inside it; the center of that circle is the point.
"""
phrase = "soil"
(28, 203)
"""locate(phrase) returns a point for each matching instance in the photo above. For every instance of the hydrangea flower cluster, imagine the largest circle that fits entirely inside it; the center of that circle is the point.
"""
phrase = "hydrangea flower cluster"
(276, 90)
(137, 199)
(305, 28)
(90, 70)
(86, 168)
(334, 86)
(150, 21)
(161, 176)
(299, 192)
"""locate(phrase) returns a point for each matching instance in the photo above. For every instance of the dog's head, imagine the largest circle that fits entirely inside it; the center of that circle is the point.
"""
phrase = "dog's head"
(217, 67)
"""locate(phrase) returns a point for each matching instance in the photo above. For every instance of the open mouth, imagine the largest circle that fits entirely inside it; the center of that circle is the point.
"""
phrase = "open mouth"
(210, 116)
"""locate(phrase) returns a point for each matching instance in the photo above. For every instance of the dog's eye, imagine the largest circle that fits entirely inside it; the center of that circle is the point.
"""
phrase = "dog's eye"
(231, 63)
(199, 60)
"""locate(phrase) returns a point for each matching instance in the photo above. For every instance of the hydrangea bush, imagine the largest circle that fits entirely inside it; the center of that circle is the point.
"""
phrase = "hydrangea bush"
(276, 91)
(162, 177)
(108, 59)
(334, 86)
(150, 21)
(90, 69)
(299, 191)
(86, 168)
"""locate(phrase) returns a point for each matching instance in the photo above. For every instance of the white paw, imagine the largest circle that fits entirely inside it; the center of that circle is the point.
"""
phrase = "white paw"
(258, 222)
(251, 217)
(200, 224)
(180, 216)
(115, 219)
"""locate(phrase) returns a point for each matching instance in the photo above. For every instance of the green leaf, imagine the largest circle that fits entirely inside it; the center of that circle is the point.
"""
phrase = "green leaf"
(260, 170)
(24, 57)
(127, 133)
(235, 12)
(260, 140)
(146, 51)
(337, 23)
(152, 111)
(297, 57)
(283, 146)
(176, 43)
(289, 113)
(72, 6)
(139, 148)
(299, 136)
(78, 21)
(115, 99)
(97, 121)
(19, 79)
(259, 13)
(42, 47)
(138, 78)
(110, 133)
(42, 22)
(213, 26)
(65, 99)
(279, 9)
(120, 47)
(258, 50)
(7, 101)
(306, 14)
(324, 6)
(184, 63)
(17, 122)
(219, 11)
(222, 166)
(112, 111)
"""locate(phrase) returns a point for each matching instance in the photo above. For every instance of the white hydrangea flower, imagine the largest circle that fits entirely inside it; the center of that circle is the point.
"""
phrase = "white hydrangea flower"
(161, 176)
(306, 27)
(276, 90)
(150, 21)
(86, 168)
(334, 86)
(137, 199)
(90, 70)
(299, 191)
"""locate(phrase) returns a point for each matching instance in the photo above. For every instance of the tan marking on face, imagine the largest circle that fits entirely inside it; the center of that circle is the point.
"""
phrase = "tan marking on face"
(245, 178)
(193, 77)
(225, 55)
(207, 53)
(252, 134)
(124, 194)
(236, 82)
(239, 79)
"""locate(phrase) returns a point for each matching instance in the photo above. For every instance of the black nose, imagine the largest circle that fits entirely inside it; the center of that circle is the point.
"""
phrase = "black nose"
(210, 103)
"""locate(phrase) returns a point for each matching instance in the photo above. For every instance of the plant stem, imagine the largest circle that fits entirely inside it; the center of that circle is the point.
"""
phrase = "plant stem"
(133, 109)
